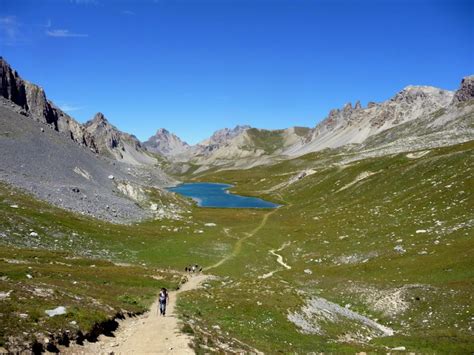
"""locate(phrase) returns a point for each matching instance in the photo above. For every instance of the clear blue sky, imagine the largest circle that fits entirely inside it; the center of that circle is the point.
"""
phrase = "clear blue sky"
(194, 66)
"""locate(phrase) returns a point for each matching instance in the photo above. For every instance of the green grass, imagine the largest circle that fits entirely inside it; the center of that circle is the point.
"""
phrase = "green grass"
(268, 141)
(326, 218)
(326, 223)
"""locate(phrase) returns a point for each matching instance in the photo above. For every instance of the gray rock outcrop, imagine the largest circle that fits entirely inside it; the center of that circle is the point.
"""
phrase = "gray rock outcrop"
(466, 91)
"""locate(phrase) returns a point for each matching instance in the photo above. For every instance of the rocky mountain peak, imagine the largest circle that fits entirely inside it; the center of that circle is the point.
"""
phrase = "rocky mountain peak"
(466, 91)
(99, 121)
(162, 131)
(347, 107)
(112, 142)
(99, 117)
(166, 143)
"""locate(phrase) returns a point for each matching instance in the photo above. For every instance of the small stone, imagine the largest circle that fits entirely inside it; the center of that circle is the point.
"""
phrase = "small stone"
(399, 249)
(56, 312)
(399, 348)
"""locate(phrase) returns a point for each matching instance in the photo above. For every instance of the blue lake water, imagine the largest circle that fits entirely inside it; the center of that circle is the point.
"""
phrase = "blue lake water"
(217, 195)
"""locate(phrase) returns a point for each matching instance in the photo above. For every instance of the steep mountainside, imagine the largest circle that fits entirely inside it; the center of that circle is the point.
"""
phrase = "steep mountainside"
(93, 169)
(116, 144)
(32, 99)
(166, 143)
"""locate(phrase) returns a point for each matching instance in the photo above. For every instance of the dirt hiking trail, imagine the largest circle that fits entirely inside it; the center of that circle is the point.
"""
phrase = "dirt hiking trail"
(147, 334)
(152, 333)
(238, 245)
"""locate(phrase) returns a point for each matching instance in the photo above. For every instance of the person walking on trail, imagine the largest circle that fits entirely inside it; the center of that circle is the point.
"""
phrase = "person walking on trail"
(163, 299)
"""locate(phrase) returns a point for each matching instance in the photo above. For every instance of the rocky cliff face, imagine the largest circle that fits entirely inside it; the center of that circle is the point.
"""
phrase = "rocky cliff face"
(466, 91)
(12, 86)
(32, 99)
(116, 144)
(166, 143)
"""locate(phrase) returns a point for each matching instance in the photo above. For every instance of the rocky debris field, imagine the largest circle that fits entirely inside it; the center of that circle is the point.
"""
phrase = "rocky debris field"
(54, 168)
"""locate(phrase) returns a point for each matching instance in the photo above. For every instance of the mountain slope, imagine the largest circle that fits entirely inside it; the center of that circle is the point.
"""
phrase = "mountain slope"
(242, 146)
(224, 135)
(353, 125)
(116, 144)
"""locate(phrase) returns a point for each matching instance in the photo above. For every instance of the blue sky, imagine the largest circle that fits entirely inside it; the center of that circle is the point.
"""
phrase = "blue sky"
(194, 66)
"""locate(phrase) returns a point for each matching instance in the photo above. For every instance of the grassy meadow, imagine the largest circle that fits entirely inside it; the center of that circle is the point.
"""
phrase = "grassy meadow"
(389, 238)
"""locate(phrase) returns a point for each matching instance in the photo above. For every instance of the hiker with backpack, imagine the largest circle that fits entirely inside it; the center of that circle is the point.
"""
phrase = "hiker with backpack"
(163, 299)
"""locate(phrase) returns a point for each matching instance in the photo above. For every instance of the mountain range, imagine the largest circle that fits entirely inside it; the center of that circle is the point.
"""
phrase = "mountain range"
(414, 118)
(370, 248)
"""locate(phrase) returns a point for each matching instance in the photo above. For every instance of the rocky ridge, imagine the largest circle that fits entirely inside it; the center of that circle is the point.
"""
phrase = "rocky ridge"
(32, 99)
(354, 124)
(116, 144)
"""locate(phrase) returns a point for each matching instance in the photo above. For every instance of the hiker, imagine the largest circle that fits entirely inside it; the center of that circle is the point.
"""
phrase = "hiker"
(193, 268)
(163, 299)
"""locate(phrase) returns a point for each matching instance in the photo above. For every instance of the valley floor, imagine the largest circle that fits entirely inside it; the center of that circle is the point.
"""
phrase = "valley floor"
(362, 256)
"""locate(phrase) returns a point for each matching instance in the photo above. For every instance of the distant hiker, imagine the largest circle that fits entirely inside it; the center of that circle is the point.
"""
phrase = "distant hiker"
(200, 269)
(163, 299)
(193, 268)
(186, 269)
